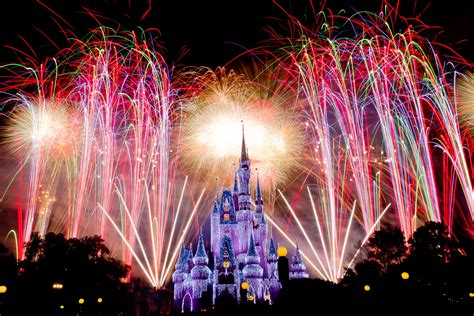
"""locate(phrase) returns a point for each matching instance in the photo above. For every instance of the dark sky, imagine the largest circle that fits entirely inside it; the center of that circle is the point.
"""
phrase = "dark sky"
(213, 31)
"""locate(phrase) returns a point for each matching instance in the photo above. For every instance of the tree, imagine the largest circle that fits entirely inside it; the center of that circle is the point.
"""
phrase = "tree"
(84, 269)
(431, 243)
(386, 247)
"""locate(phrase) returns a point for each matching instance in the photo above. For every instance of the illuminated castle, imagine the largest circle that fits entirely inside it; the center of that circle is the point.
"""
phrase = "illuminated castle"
(243, 261)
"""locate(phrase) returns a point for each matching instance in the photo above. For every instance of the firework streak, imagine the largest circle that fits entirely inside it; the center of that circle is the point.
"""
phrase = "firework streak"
(365, 119)
(379, 112)
(97, 131)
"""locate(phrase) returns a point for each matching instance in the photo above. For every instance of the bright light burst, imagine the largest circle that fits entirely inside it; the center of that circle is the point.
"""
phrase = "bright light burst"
(48, 127)
(106, 165)
(101, 140)
(466, 101)
(213, 130)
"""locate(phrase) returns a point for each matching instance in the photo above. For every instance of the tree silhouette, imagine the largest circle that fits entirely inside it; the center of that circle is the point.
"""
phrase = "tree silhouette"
(386, 247)
(84, 269)
(431, 242)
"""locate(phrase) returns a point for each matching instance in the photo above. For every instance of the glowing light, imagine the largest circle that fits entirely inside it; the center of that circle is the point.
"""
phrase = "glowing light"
(471, 294)
(213, 130)
(466, 101)
(3, 289)
(57, 286)
(405, 275)
(99, 300)
(103, 140)
(61, 306)
(81, 301)
(251, 298)
(46, 126)
(244, 285)
(226, 264)
(282, 251)
(367, 288)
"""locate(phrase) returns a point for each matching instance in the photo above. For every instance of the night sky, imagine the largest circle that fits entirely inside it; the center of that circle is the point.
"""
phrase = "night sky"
(211, 33)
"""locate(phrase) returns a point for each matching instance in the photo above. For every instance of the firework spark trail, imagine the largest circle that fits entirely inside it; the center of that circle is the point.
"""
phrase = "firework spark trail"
(377, 90)
(115, 161)
(212, 127)
(333, 239)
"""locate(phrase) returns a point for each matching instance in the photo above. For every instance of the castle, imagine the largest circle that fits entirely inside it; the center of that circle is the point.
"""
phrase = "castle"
(243, 262)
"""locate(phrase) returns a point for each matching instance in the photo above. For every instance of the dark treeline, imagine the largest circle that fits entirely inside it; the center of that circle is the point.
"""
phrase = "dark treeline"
(430, 274)
(60, 276)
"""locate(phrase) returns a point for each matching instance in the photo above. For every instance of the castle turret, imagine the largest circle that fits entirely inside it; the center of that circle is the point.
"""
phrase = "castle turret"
(200, 273)
(200, 259)
(244, 171)
(245, 214)
(235, 192)
(297, 267)
(180, 275)
(272, 259)
(253, 272)
(260, 226)
(226, 272)
(215, 218)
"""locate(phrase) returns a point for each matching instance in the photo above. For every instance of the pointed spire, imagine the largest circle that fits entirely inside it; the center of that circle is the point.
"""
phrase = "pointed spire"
(243, 155)
(297, 257)
(182, 253)
(215, 209)
(190, 251)
(182, 258)
(272, 249)
(252, 252)
(201, 250)
(258, 192)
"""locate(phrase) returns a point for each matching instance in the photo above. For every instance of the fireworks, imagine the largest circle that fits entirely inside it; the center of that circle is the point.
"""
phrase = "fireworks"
(466, 101)
(111, 143)
(213, 124)
(109, 157)
(49, 128)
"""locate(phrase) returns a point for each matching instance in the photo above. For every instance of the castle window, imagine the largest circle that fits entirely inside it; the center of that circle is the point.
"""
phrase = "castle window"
(226, 217)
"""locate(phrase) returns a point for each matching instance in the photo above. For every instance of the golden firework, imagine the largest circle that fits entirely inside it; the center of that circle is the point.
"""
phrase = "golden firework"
(213, 129)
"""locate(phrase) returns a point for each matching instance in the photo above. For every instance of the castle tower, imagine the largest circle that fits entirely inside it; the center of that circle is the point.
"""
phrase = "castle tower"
(260, 226)
(244, 215)
(238, 247)
(200, 273)
(226, 272)
(297, 267)
(180, 274)
(253, 272)
(235, 193)
(215, 219)
(272, 259)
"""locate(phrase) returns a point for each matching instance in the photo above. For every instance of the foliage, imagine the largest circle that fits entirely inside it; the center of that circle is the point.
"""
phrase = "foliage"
(83, 268)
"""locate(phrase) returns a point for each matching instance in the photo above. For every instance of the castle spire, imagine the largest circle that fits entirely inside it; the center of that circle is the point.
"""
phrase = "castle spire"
(243, 155)
(297, 267)
(181, 258)
(272, 249)
(201, 250)
(258, 192)
(252, 254)
(200, 271)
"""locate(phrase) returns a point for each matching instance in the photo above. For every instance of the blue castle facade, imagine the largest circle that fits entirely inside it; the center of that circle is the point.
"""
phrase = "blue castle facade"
(239, 250)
